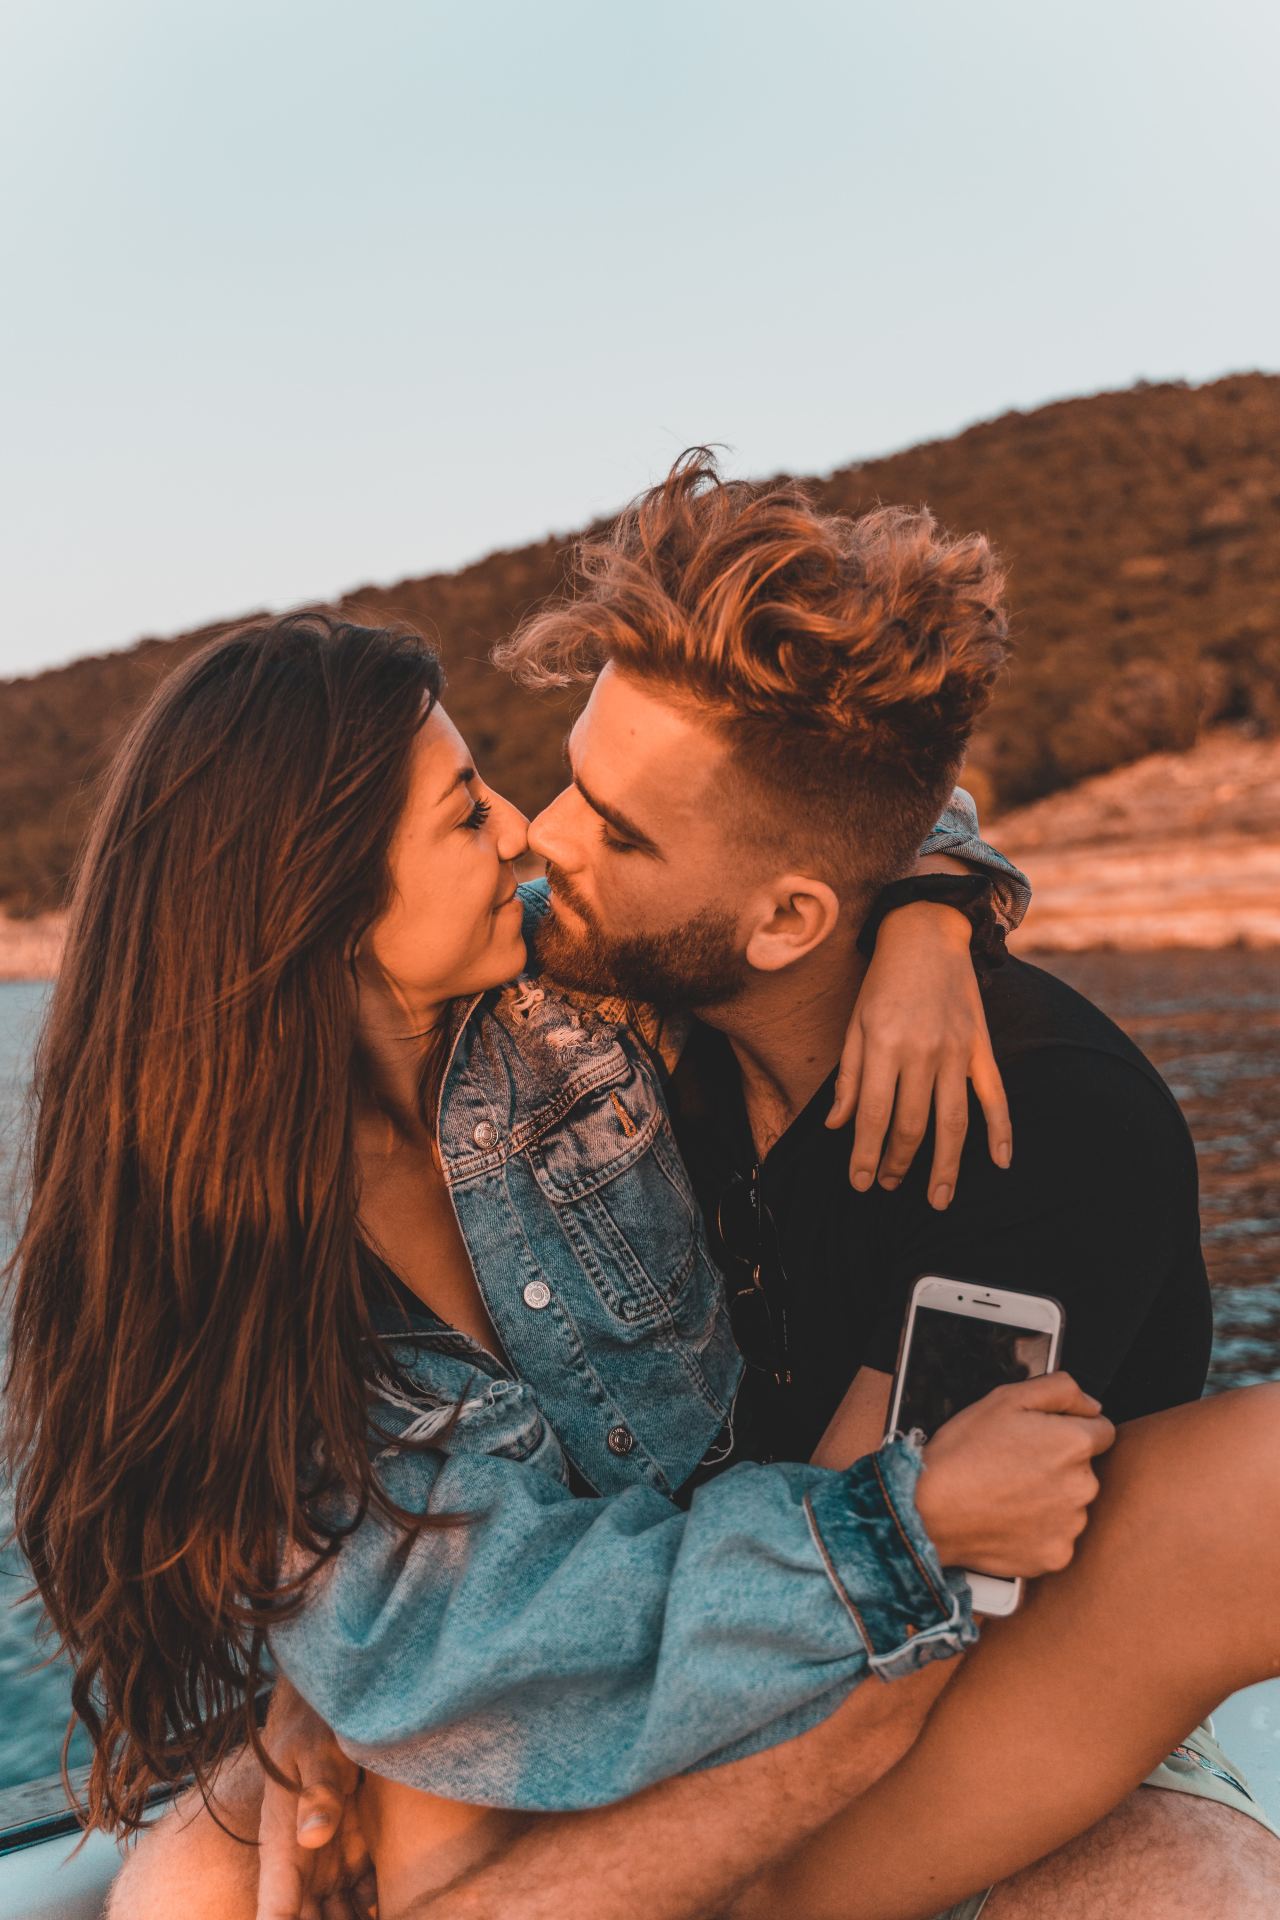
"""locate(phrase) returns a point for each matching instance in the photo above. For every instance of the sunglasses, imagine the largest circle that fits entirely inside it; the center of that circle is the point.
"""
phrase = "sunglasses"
(757, 1282)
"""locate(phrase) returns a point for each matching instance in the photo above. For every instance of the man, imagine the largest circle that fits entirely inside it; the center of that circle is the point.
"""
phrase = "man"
(773, 710)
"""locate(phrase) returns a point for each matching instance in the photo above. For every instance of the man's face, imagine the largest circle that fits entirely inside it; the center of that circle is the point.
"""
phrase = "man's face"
(648, 881)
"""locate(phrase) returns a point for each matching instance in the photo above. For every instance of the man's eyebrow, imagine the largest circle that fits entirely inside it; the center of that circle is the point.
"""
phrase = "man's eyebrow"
(462, 778)
(619, 821)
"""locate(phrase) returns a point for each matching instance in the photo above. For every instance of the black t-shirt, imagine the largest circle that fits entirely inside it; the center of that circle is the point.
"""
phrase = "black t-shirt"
(1099, 1209)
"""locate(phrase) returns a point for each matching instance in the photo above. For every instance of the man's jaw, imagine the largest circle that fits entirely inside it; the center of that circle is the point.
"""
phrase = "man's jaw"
(693, 964)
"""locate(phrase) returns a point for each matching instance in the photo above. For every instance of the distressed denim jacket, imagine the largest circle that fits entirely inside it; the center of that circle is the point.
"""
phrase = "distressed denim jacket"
(551, 1650)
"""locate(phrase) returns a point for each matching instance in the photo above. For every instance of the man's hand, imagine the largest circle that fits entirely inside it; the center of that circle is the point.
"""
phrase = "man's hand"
(917, 1037)
(314, 1861)
(1008, 1482)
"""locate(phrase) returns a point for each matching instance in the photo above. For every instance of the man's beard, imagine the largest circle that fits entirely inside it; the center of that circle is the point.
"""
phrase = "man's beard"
(694, 964)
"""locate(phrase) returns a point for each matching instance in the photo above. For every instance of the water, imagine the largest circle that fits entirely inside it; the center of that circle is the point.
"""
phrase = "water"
(1211, 1022)
(33, 1698)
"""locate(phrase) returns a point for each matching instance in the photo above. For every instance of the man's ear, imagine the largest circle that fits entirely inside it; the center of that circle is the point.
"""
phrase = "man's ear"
(796, 914)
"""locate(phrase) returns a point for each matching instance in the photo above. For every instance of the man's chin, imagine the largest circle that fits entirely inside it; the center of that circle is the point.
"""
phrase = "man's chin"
(572, 957)
(691, 965)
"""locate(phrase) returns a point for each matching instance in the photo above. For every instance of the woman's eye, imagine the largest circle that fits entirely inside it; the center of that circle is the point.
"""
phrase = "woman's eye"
(478, 815)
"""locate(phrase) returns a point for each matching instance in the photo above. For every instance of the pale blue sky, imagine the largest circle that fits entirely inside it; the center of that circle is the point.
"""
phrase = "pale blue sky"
(305, 295)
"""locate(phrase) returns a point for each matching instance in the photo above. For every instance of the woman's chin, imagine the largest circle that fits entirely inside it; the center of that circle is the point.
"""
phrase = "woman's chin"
(504, 959)
(509, 959)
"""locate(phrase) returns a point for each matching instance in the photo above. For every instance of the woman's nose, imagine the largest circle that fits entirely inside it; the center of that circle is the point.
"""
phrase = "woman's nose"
(513, 833)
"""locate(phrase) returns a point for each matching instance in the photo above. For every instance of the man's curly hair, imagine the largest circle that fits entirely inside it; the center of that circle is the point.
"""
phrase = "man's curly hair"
(843, 660)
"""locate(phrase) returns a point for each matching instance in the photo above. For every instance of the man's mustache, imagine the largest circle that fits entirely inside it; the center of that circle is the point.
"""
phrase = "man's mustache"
(568, 893)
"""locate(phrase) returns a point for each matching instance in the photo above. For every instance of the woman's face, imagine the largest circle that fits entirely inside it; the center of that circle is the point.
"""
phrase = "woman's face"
(453, 925)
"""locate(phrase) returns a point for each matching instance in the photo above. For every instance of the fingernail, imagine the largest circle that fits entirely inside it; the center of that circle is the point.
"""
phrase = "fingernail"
(1004, 1153)
(832, 1117)
(889, 1181)
(862, 1180)
(940, 1197)
(312, 1821)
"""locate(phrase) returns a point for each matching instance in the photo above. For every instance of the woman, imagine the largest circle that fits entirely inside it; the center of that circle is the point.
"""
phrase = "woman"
(271, 1039)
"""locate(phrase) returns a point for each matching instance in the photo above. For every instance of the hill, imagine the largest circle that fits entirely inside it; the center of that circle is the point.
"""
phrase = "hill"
(1143, 534)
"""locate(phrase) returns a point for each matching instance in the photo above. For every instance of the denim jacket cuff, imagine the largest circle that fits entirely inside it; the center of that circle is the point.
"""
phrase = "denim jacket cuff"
(884, 1566)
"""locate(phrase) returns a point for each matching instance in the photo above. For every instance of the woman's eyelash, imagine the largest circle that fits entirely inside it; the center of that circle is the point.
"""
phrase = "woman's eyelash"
(478, 815)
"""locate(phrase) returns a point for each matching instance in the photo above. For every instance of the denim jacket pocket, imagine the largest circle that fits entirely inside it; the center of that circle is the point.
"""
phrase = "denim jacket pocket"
(639, 1238)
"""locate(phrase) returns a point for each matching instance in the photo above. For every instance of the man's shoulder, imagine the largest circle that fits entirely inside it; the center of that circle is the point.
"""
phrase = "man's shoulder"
(1030, 1011)
(1080, 1090)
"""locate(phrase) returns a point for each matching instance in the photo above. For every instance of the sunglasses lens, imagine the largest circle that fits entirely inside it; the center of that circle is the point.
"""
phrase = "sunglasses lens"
(737, 1221)
(752, 1326)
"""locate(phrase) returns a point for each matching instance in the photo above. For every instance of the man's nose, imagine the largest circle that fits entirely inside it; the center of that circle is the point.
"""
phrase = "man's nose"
(547, 834)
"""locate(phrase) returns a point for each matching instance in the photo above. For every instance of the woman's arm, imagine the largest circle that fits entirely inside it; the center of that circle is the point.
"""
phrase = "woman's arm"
(551, 1651)
(992, 1474)
(918, 1034)
(958, 834)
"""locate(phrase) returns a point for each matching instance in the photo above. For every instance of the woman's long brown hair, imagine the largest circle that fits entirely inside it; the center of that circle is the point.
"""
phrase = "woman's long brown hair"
(188, 1316)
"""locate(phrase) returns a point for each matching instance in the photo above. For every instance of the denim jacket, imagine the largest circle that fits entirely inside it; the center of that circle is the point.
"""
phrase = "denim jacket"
(550, 1650)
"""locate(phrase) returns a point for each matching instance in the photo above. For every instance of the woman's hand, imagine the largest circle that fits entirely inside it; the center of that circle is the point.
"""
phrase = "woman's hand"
(313, 1860)
(917, 1036)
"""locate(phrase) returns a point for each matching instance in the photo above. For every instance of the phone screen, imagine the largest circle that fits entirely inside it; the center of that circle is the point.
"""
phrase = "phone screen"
(955, 1360)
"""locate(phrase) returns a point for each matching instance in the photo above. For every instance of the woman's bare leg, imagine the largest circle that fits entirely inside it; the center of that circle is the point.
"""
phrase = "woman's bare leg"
(1171, 1604)
(193, 1865)
(187, 1865)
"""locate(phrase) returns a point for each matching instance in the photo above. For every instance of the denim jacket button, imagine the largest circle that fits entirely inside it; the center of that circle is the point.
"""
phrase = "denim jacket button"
(484, 1134)
(537, 1294)
(620, 1440)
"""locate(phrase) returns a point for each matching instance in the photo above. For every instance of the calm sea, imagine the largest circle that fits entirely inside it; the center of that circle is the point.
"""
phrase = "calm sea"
(1211, 1022)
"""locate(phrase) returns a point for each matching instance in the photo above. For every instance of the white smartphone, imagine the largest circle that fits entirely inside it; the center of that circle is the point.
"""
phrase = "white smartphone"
(959, 1341)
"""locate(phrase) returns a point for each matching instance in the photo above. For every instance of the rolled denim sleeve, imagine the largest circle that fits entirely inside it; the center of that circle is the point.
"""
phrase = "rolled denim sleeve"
(552, 1652)
(958, 833)
(874, 1512)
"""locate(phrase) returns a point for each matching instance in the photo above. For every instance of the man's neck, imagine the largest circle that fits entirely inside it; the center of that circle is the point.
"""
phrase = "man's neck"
(787, 1030)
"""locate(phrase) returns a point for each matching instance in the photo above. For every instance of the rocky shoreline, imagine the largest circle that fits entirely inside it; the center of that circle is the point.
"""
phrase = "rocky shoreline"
(1176, 850)
(31, 949)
